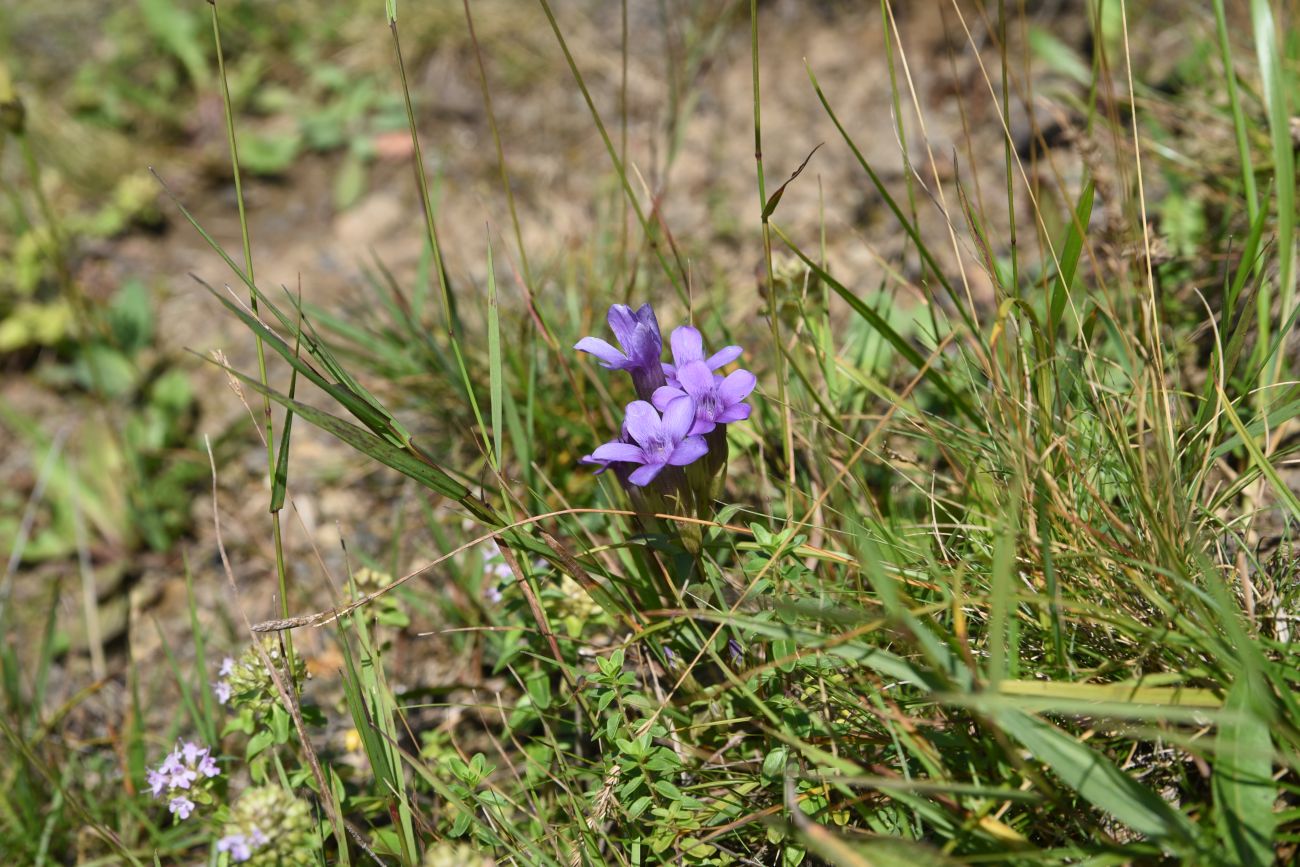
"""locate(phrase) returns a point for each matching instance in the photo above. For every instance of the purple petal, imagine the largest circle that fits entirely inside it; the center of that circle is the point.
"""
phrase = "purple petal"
(619, 452)
(642, 422)
(691, 449)
(738, 412)
(645, 475)
(696, 379)
(736, 387)
(644, 346)
(622, 321)
(610, 356)
(645, 314)
(723, 357)
(701, 427)
(590, 461)
(664, 395)
(678, 418)
(687, 345)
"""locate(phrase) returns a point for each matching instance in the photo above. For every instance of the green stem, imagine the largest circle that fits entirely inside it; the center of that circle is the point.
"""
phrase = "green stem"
(281, 573)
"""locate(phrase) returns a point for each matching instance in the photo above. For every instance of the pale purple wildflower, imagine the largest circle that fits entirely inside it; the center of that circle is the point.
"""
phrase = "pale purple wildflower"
(177, 776)
(221, 689)
(208, 767)
(237, 845)
(642, 345)
(718, 400)
(688, 345)
(659, 442)
(257, 838)
(497, 572)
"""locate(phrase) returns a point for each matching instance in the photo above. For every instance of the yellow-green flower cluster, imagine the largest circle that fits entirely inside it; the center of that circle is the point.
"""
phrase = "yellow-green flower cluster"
(269, 827)
(248, 683)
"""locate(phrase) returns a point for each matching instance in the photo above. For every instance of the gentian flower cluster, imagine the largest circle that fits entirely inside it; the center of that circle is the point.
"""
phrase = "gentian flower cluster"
(182, 778)
(683, 406)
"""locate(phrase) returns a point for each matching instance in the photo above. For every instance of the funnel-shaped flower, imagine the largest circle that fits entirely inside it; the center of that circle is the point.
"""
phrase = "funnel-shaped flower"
(718, 400)
(638, 334)
(688, 345)
(657, 442)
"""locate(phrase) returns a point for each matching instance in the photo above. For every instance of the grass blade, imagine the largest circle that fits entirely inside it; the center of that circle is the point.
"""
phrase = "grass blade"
(1097, 780)
(1243, 786)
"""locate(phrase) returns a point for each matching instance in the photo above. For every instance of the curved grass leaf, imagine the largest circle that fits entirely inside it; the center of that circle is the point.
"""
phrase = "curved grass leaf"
(1097, 780)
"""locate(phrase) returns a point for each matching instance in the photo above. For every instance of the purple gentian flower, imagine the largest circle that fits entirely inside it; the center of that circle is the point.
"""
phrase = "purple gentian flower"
(222, 690)
(642, 345)
(736, 652)
(237, 845)
(181, 806)
(688, 345)
(718, 400)
(192, 752)
(658, 442)
(227, 666)
(157, 782)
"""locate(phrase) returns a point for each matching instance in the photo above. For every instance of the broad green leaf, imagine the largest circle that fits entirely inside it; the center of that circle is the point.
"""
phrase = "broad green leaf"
(1096, 779)
(1244, 790)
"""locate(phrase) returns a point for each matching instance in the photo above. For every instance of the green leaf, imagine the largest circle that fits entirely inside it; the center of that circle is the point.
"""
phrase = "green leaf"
(496, 382)
(176, 27)
(774, 763)
(880, 325)
(1097, 780)
(539, 688)
(638, 806)
(382, 450)
(1280, 487)
(269, 154)
(350, 182)
(130, 317)
(668, 790)
(1070, 252)
(1244, 791)
(280, 478)
(258, 742)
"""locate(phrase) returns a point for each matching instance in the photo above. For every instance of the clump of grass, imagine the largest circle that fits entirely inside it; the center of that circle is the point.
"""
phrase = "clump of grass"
(983, 582)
